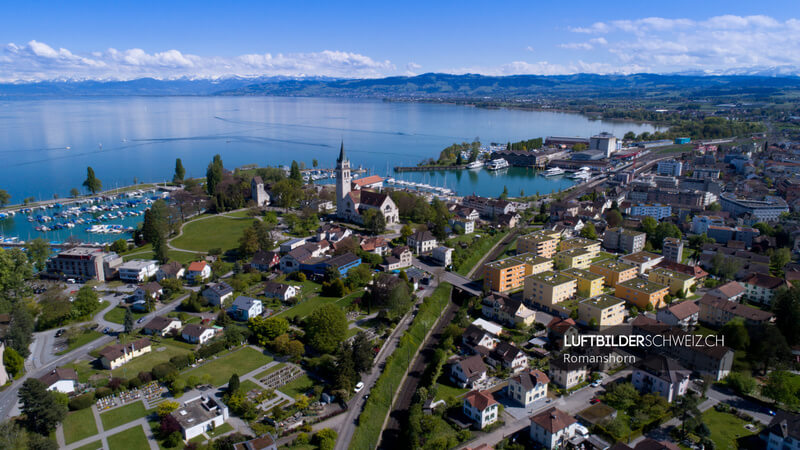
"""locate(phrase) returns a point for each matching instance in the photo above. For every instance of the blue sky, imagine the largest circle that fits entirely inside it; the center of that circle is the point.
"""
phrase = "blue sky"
(116, 40)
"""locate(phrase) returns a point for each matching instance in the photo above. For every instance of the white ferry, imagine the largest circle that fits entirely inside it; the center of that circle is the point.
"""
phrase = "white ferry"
(497, 164)
(553, 172)
(477, 164)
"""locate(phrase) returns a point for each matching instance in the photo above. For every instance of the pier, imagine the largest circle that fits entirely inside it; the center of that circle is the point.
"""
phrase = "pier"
(427, 168)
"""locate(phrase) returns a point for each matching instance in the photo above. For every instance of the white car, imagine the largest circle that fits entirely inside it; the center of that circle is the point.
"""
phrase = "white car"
(359, 387)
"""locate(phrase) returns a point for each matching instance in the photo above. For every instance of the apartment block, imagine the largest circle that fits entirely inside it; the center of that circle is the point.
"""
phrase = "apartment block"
(613, 271)
(643, 260)
(672, 249)
(642, 293)
(577, 258)
(540, 243)
(626, 241)
(605, 310)
(549, 288)
(589, 284)
(675, 281)
(591, 245)
(508, 274)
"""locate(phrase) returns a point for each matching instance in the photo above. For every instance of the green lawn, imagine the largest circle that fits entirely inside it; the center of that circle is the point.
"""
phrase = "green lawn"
(81, 340)
(602, 256)
(445, 391)
(149, 360)
(117, 315)
(306, 307)
(131, 439)
(79, 425)
(725, 428)
(298, 386)
(274, 368)
(215, 232)
(146, 252)
(465, 259)
(249, 385)
(91, 446)
(220, 430)
(239, 362)
(122, 415)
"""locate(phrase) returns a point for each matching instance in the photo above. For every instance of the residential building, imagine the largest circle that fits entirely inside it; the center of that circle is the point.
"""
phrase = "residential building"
(716, 311)
(369, 182)
(642, 293)
(377, 245)
(603, 311)
(280, 291)
(672, 249)
(60, 379)
(265, 260)
(567, 374)
(683, 314)
(656, 211)
(467, 225)
(137, 270)
(508, 357)
(661, 375)
(528, 386)
(508, 274)
(507, 310)
(172, 270)
(264, 442)
(508, 220)
(421, 242)
(332, 232)
(116, 355)
(783, 431)
(613, 271)
(218, 293)
(488, 208)
(624, 240)
(84, 263)
(589, 284)
(643, 260)
(199, 415)
(591, 245)
(320, 265)
(197, 334)
(559, 330)
(351, 204)
(466, 372)
(696, 271)
(198, 272)
(443, 256)
(246, 308)
(475, 337)
(540, 243)
(549, 288)
(552, 428)
(162, 326)
(577, 258)
(481, 408)
(767, 210)
(676, 281)
(701, 223)
(761, 288)
(292, 244)
(399, 258)
(670, 167)
(731, 291)
(150, 291)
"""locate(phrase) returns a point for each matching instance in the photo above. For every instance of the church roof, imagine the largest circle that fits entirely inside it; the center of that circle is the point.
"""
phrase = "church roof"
(374, 199)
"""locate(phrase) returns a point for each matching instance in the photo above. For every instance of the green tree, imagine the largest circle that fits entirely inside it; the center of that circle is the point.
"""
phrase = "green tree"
(15, 269)
(74, 193)
(167, 407)
(362, 353)
(374, 221)
(214, 174)
(86, 302)
(233, 384)
(781, 387)
(614, 218)
(664, 230)
(5, 197)
(92, 183)
(588, 231)
(119, 246)
(42, 411)
(326, 327)
(405, 232)
(621, 396)
(38, 252)
(14, 363)
(778, 258)
(266, 329)
(287, 192)
(294, 173)
(649, 226)
(128, 321)
(314, 163)
(741, 382)
(736, 335)
(180, 172)
(20, 332)
(155, 229)
(786, 307)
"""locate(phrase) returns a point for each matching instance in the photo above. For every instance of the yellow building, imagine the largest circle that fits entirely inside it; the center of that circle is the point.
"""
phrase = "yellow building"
(580, 242)
(508, 274)
(676, 281)
(613, 271)
(549, 288)
(589, 284)
(540, 243)
(642, 293)
(577, 258)
(603, 311)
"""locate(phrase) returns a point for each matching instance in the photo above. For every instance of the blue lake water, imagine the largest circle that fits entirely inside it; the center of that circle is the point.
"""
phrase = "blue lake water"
(124, 138)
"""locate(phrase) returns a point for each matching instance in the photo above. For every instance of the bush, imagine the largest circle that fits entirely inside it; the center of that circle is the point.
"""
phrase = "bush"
(164, 372)
(173, 440)
(134, 383)
(115, 383)
(81, 401)
(102, 392)
(210, 349)
(145, 377)
(302, 439)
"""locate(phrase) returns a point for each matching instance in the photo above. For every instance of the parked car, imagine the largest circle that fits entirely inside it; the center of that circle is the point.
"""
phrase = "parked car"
(60, 333)
(594, 400)
(359, 387)
(106, 330)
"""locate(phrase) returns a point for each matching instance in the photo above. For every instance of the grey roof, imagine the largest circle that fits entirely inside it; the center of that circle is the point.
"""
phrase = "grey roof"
(244, 302)
(159, 323)
(221, 288)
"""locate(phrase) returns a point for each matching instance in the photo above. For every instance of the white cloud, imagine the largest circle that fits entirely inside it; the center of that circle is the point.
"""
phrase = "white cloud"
(37, 61)
(577, 46)
(529, 48)
(412, 69)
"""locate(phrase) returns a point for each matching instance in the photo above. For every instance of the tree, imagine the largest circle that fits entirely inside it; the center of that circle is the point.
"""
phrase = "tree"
(326, 327)
(266, 329)
(180, 172)
(786, 306)
(778, 259)
(504, 194)
(166, 407)
(233, 384)
(314, 163)
(405, 232)
(649, 226)
(155, 228)
(74, 193)
(214, 174)
(374, 221)
(741, 382)
(286, 192)
(622, 396)
(92, 183)
(780, 387)
(362, 353)
(588, 231)
(736, 335)
(257, 236)
(20, 332)
(614, 218)
(119, 246)
(5, 197)
(14, 362)
(15, 269)
(294, 172)
(128, 321)
(665, 230)
(767, 346)
(38, 252)
(86, 302)
(43, 412)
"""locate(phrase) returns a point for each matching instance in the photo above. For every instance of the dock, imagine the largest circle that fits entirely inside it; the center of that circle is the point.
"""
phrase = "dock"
(427, 168)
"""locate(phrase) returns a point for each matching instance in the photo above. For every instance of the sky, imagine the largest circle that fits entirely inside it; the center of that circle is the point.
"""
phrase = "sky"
(121, 40)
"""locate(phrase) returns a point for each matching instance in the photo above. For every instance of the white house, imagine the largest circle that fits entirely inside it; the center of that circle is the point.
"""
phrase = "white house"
(162, 326)
(116, 355)
(171, 270)
(466, 224)
(528, 386)
(280, 290)
(552, 428)
(218, 293)
(475, 336)
(443, 255)
(684, 314)
(783, 432)
(148, 291)
(60, 379)
(465, 372)
(508, 357)
(197, 334)
(567, 374)
(421, 242)
(661, 375)
(137, 270)
(199, 415)
(399, 258)
(198, 272)
(481, 408)
(245, 308)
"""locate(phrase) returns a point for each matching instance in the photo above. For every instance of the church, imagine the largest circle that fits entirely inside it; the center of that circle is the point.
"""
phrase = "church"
(351, 204)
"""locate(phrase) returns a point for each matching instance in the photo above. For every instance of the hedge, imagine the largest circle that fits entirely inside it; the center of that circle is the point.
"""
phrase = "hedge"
(368, 432)
(81, 402)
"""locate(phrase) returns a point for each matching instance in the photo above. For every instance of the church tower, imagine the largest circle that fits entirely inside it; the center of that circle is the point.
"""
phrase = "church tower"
(343, 181)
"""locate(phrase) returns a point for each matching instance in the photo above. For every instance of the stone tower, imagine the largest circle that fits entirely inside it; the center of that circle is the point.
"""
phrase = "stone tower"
(343, 180)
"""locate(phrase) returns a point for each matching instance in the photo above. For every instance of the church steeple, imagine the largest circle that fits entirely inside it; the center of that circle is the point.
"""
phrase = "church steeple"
(341, 154)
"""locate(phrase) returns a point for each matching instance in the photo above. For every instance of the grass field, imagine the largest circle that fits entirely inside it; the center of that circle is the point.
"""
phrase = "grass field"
(146, 252)
(298, 386)
(239, 362)
(82, 339)
(308, 306)
(249, 385)
(473, 253)
(215, 232)
(445, 391)
(79, 425)
(149, 360)
(131, 439)
(220, 430)
(122, 415)
(117, 315)
(91, 446)
(725, 428)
